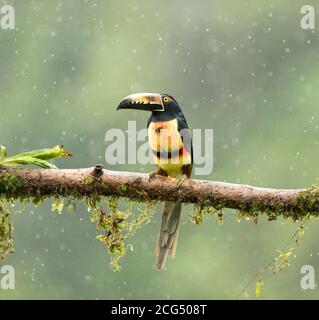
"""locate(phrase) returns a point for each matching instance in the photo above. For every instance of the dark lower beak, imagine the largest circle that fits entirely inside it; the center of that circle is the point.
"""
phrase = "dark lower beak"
(142, 101)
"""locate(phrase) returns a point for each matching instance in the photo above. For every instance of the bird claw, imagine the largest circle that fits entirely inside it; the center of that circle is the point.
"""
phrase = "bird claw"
(181, 180)
(151, 176)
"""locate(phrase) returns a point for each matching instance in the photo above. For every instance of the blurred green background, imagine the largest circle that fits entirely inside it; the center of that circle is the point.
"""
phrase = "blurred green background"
(244, 68)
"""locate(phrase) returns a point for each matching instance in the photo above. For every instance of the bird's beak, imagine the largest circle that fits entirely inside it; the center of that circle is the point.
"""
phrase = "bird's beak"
(142, 101)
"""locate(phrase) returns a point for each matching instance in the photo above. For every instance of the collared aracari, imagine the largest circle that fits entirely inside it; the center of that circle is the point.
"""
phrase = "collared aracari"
(170, 141)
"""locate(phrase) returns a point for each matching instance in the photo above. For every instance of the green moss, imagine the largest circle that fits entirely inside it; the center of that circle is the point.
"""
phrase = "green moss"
(57, 205)
(259, 288)
(280, 260)
(116, 226)
(307, 201)
(89, 180)
(104, 186)
(201, 211)
(6, 241)
(10, 184)
(70, 204)
(197, 216)
(123, 189)
(244, 215)
(92, 201)
(38, 200)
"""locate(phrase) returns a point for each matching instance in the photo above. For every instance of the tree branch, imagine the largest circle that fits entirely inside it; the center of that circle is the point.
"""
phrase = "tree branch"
(37, 183)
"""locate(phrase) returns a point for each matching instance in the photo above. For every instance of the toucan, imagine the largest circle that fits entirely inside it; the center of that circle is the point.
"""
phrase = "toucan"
(171, 144)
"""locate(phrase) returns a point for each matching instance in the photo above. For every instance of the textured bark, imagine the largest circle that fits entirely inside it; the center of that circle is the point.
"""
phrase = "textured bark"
(28, 183)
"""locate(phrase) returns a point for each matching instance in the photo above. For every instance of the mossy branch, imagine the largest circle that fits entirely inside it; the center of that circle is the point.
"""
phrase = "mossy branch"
(77, 183)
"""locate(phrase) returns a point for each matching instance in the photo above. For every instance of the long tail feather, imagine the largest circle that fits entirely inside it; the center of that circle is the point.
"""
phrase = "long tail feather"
(168, 235)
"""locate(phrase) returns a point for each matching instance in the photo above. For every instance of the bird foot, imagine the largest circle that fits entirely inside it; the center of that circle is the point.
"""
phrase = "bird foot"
(152, 175)
(181, 180)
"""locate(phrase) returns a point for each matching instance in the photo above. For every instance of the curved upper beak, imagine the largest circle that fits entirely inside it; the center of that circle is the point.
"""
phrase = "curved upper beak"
(142, 101)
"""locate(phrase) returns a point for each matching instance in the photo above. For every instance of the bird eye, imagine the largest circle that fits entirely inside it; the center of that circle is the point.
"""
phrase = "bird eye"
(166, 99)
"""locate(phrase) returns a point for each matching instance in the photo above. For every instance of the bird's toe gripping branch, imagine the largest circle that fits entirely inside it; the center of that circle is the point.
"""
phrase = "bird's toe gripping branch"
(181, 180)
(152, 175)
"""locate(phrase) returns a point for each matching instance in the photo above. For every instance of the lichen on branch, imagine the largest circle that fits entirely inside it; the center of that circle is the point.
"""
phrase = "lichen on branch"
(27, 183)
(116, 226)
(6, 240)
(101, 188)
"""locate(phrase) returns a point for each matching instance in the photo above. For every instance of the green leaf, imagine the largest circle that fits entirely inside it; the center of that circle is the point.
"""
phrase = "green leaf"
(13, 162)
(259, 288)
(38, 157)
(46, 154)
(3, 152)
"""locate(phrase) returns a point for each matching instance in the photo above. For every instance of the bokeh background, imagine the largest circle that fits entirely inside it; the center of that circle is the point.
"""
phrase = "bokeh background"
(244, 68)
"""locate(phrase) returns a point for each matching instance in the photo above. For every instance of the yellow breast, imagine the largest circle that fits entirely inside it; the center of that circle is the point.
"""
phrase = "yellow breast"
(164, 136)
(167, 146)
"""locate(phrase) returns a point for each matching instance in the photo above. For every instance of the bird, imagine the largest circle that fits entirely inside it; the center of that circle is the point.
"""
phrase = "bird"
(170, 142)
